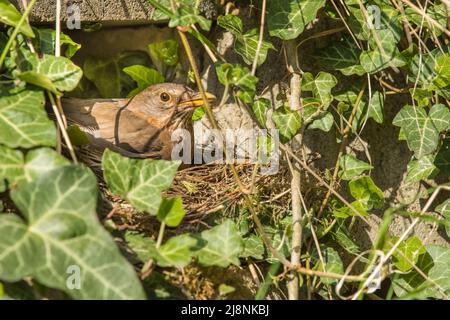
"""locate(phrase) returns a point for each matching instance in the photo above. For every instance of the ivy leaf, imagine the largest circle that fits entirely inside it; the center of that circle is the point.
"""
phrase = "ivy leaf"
(144, 77)
(46, 39)
(61, 231)
(247, 44)
(231, 23)
(253, 247)
(62, 72)
(352, 167)
(171, 211)
(343, 56)
(138, 181)
(420, 169)
(223, 245)
(177, 251)
(186, 16)
(380, 58)
(164, 53)
(444, 209)
(24, 122)
(105, 74)
(11, 16)
(287, 121)
(437, 12)
(333, 263)
(365, 190)
(260, 108)
(16, 167)
(320, 86)
(324, 122)
(286, 19)
(374, 108)
(240, 77)
(422, 130)
(434, 264)
(408, 251)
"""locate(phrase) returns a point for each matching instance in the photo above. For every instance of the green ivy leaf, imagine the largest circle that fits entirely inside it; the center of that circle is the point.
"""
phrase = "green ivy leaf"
(444, 209)
(175, 252)
(171, 211)
(420, 169)
(231, 23)
(287, 121)
(320, 86)
(60, 230)
(144, 77)
(223, 245)
(253, 247)
(164, 53)
(378, 58)
(332, 260)
(16, 168)
(24, 122)
(437, 12)
(352, 167)
(324, 122)
(186, 16)
(408, 251)
(9, 15)
(286, 19)
(365, 190)
(240, 77)
(138, 181)
(46, 39)
(62, 72)
(434, 264)
(343, 56)
(422, 130)
(260, 108)
(105, 74)
(245, 44)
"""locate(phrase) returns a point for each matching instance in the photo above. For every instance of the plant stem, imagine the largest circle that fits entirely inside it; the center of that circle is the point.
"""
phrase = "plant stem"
(15, 32)
(261, 37)
(294, 102)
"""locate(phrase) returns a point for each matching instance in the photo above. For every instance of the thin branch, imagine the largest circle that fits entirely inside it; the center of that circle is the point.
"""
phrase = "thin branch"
(261, 37)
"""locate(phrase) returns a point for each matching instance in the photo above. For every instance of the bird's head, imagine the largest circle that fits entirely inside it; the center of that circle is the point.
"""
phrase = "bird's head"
(167, 101)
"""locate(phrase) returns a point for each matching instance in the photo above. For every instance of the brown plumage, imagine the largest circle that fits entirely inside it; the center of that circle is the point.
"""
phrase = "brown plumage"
(138, 127)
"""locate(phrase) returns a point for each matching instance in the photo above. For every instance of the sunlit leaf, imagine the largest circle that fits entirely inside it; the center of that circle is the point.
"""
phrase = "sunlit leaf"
(223, 245)
(365, 190)
(11, 16)
(420, 169)
(24, 122)
(286, 19)
(287, 121)
(138, 181)
(352, 167)
(60, 233)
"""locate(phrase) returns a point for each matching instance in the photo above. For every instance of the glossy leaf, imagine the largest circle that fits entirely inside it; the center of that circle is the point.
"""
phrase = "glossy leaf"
(286, 19)
(352, 167)
(24, 122)
(138, 181)
(60, 232)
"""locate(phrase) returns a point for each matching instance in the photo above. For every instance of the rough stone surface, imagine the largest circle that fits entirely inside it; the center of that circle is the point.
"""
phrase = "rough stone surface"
(107, 12)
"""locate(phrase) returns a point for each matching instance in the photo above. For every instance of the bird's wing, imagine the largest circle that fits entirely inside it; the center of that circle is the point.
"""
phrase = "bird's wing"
(108, 123)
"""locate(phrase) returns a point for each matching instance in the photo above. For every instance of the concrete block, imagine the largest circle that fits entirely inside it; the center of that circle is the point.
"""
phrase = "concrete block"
(107, 12)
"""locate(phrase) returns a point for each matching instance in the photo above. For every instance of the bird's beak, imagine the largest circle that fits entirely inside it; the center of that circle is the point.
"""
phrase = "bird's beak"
(196, 100)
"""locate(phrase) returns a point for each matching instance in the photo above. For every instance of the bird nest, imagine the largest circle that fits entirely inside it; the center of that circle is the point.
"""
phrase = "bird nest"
(210, 188)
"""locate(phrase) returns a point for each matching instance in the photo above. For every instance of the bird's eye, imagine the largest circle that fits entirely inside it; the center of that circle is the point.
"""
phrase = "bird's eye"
(165, 97)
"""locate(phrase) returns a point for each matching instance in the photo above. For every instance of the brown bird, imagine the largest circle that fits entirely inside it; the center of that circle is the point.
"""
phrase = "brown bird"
(139, 127)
